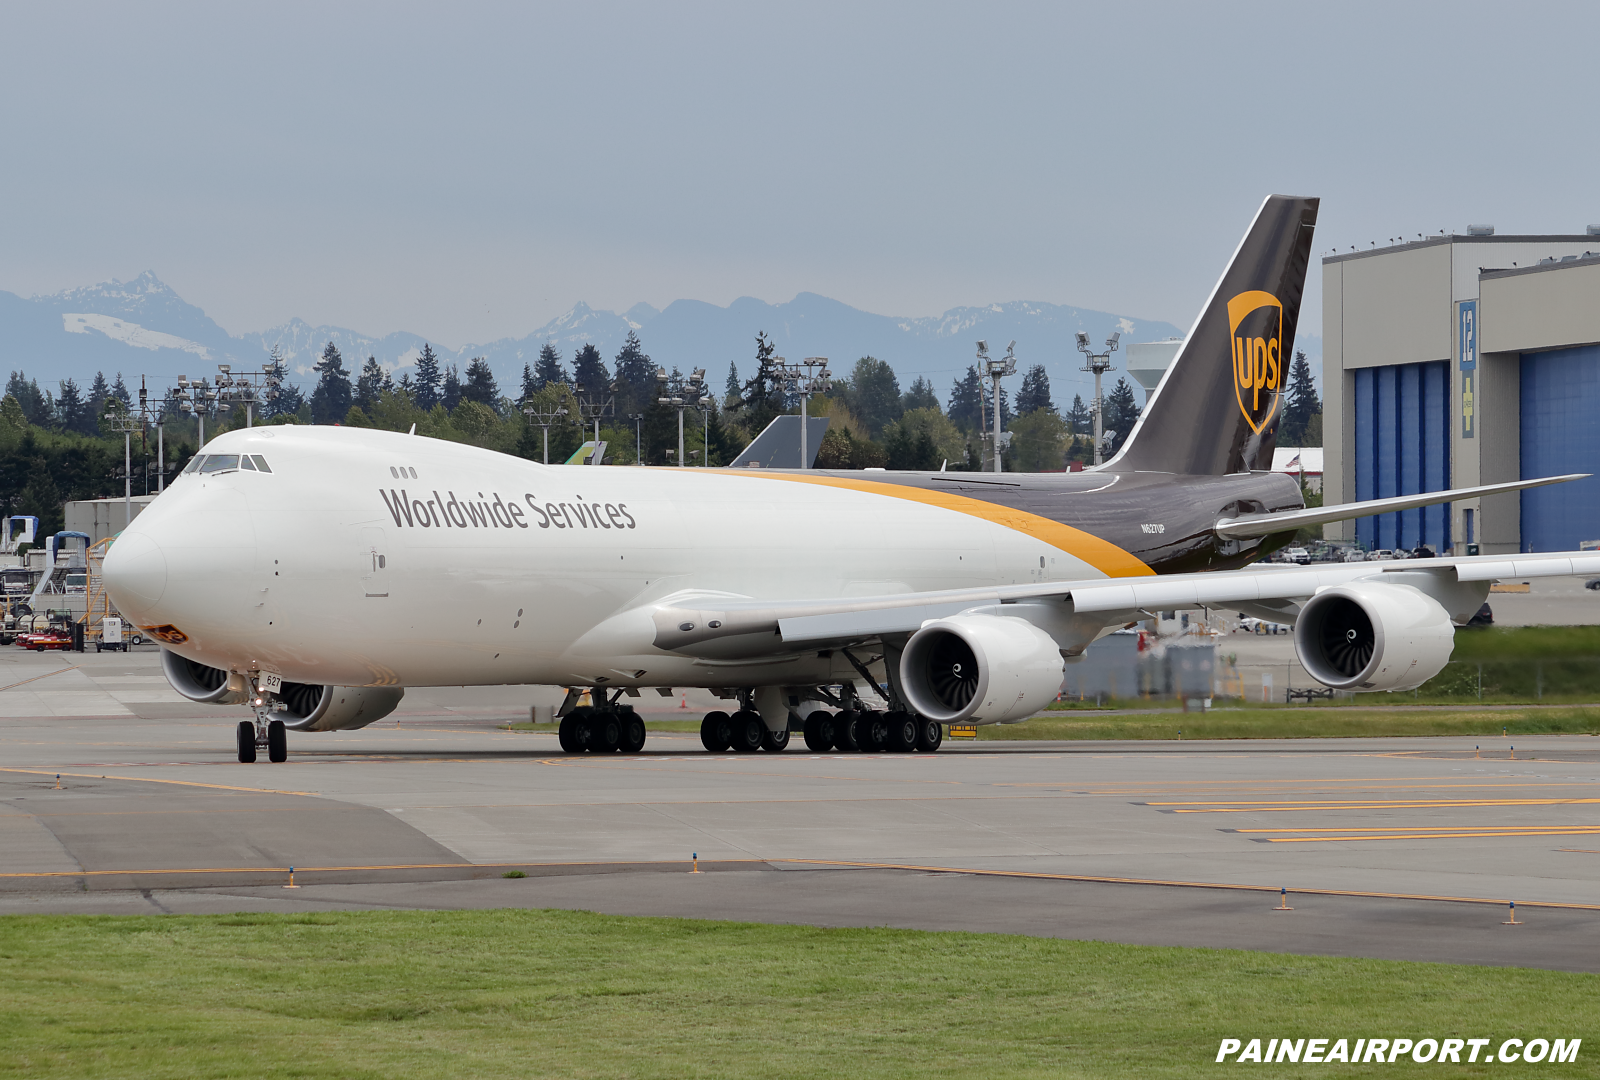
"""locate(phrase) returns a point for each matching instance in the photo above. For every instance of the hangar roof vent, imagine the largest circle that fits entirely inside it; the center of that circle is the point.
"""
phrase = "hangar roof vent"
(1593, 230)
(1480, 230)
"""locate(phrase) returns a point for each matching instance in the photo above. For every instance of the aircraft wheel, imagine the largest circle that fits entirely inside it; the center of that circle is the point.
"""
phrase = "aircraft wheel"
(901, 731)
(573, 734)
(775, 742)
(633, 733)
(605, 732)
(872, 732)
(716, 731)
(749, 731)
(846, 729)
(247, 741)
(277, 741)
(819, 732)
(930, 733)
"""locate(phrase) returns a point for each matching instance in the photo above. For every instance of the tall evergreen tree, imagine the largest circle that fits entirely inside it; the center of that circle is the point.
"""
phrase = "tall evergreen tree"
(730, 391)
(1122, 412)
(41, 498)
(427, 380)
(920, 396)
(966, 401)
(330, 401)
(762, 398)
(1035, 392)
(1078, 418)
(72, 412)
(450, 393)
(38, 408)
(548, 369)
(98, 392)
(120, 392)
(374, 380)
(874, 394)
(589, 370)
(1300, 402)
(636, 378)
(480, 385)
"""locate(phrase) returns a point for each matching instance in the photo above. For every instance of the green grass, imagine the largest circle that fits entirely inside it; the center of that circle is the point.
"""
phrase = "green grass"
(1301, 722)
(518, 993)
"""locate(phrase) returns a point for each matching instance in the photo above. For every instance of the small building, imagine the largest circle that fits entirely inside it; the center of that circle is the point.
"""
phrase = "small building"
(1304, 463)
(100, 518)
(1453, 361)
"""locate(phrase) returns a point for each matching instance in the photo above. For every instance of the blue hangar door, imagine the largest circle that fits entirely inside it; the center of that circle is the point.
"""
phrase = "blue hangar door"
(1403, 448)
(1561, 434)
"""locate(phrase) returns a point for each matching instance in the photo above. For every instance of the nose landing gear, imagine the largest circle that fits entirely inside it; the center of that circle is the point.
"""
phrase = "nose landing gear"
(263, 732)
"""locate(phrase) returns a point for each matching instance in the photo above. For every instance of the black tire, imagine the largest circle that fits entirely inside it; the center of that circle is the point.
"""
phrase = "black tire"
(749, 731)
(819, 731)
(716, 731)
(605, 732)
(247, 741)
(901, 732)
(872, 733)
(633, 733)
(277, 741)
(575, 733)
(846, 726)
(930, 734)
(137, 639)
(775, 742)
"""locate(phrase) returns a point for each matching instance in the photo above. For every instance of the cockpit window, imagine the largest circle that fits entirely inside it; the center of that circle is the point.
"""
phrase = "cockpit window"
(194, 464)
(220, 463)
(246, 464)
(261, 462)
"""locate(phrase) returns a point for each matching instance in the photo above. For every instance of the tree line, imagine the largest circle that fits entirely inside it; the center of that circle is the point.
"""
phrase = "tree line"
(58, 446)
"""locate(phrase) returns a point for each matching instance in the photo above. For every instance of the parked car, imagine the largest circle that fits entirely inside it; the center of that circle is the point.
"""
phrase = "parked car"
(1355, 555)
(1592, 583)
(1423, 551)
(1380, 554)
(1297, 555)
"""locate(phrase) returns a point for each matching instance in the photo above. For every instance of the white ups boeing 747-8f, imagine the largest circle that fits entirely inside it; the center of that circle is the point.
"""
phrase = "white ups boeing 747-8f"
(313, 573)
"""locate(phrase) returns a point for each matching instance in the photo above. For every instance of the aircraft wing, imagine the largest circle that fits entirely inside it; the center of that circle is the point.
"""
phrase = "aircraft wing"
(1241, 528)
(726, 627)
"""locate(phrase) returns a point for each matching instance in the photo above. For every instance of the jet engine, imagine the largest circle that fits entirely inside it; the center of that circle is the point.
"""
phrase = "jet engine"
(309, 707)
(1368, 635)
(336, 708)
(197, 682)
(980, 669)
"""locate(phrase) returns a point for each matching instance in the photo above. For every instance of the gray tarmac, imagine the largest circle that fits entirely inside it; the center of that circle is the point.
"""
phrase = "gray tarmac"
(1406, 848)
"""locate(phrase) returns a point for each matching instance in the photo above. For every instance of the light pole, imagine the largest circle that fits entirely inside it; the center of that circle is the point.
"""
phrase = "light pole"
(1099, 363)
(814, 379)
(199, 397)
(692, 396)
(997, 370)
(544, 416)
(638, 437)
(122, 419)
(593, 405)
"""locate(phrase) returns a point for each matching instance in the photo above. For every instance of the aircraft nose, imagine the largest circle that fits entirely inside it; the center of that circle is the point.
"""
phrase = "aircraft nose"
(136, 574)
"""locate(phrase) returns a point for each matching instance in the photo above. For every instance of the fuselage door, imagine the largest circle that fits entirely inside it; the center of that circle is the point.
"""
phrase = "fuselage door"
(374, 563)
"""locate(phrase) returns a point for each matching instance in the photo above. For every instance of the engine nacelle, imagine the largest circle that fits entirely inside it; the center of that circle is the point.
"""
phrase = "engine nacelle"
(310, 707)
(336, 708)
(1369, 635)
(980, 669)
(198, 682)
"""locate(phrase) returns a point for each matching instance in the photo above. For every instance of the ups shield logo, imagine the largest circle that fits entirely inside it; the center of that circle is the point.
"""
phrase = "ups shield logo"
(1255, 322)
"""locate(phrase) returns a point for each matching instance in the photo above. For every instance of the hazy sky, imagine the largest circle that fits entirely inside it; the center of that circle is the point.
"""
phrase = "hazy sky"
(468, 171)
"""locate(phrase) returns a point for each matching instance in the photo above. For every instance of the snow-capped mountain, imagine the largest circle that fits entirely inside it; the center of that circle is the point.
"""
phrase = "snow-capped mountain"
(142, 327)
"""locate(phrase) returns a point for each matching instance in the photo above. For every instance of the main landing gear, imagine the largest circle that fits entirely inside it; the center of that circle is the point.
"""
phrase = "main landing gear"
(851, 730)
(602, 729)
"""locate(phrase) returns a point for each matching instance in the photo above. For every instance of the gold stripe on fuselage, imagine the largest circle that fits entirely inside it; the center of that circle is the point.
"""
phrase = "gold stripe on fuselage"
(1100, 554)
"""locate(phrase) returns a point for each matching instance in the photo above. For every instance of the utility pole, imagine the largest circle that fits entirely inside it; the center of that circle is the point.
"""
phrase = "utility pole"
(638, 437)
(544, 416)
(1099, 363)
(593, 403)
(122, 419)
(997, 370)
(692, 396)
(815, 379)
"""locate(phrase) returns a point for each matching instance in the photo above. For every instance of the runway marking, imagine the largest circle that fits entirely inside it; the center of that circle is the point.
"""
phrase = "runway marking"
(571, 763)
(343, 869)
(1096, 879)
(36, 678)
(148, 780)
(1417, 804)
(1458, 834)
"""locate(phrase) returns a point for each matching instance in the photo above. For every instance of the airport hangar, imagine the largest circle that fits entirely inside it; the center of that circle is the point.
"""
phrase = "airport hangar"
(1458, 360)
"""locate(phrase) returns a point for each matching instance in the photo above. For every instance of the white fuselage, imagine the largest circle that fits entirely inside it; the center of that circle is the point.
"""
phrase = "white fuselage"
(502, 571)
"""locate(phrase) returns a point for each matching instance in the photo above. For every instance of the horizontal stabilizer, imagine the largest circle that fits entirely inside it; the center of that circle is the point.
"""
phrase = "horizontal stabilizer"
(1241, 528)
